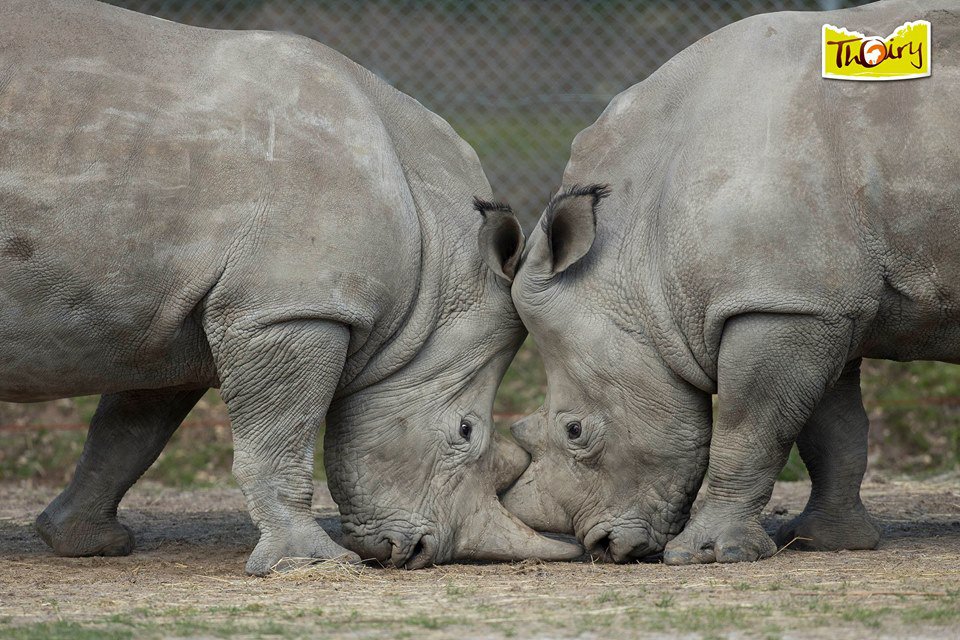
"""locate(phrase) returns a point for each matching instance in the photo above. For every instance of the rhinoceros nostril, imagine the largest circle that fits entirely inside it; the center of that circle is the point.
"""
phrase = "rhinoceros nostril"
(397, 555)
(411, 552)
(423, 553)
(417, 549)
(622, 545)
(600, 549)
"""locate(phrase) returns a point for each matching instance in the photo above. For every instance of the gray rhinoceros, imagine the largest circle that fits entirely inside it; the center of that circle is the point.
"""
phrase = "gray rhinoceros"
(183, 208)
(765, 229)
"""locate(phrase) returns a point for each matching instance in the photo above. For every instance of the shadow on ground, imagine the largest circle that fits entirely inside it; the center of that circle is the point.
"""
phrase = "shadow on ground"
(186, 579)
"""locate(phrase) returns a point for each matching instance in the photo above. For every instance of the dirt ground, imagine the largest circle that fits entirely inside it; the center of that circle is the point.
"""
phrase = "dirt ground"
(186, 580)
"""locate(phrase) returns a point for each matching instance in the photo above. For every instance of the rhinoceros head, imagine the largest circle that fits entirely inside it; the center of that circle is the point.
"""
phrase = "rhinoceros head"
(414, 461)
(619, 447)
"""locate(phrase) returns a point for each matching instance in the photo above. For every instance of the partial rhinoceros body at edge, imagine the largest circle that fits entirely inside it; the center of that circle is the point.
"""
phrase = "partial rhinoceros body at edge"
(747, 228)
(183, 208)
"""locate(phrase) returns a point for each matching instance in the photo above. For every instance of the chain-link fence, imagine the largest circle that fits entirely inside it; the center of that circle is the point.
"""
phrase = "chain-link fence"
(516, 78)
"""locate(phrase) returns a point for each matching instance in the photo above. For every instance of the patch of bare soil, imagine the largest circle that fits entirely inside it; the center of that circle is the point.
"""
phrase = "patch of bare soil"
(186, 580)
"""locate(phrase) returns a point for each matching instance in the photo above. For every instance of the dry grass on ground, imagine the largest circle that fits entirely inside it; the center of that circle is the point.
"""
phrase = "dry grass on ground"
(186, 580)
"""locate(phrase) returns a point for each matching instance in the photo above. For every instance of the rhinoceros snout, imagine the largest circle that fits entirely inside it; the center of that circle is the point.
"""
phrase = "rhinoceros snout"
(420, 554)
(620, 544)
(401, 550)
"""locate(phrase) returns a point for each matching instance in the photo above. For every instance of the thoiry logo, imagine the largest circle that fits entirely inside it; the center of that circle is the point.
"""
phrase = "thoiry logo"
(849, 55)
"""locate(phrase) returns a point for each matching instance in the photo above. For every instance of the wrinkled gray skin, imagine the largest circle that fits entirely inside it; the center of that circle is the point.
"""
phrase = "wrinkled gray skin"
(183, 208)
(765, 230)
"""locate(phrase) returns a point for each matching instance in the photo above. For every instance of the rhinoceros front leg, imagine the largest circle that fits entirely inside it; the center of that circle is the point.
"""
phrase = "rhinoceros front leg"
(772, 372)
(127, 433)
(833, 445)
(277, 382)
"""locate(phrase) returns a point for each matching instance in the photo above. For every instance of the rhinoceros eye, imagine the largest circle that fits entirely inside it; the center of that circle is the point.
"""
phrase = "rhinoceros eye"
(466, 429)
(574, 429)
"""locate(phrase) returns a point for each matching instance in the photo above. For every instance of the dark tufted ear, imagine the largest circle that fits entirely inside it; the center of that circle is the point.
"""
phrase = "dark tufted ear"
(570, 224)
(501, 238)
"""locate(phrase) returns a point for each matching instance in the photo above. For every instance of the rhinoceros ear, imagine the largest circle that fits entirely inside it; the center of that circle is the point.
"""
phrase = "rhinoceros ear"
(570, 224)
(501, 238)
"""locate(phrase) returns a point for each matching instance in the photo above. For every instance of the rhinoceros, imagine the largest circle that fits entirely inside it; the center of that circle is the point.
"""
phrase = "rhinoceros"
(738, 225)
(182, 208)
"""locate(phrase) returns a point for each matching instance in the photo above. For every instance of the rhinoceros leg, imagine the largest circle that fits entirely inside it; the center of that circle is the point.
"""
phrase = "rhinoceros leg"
(772, 372)
(127, 433)
(277, 382)
(833, 445)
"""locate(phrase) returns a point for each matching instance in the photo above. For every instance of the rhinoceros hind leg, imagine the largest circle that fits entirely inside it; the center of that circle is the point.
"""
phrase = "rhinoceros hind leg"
(772, 372)
(277, 381)
(76, 535)
(127, 433)
(833, 445)
(819, 531)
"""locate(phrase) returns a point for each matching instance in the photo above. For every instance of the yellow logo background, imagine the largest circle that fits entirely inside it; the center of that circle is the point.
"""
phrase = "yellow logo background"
(850, 55)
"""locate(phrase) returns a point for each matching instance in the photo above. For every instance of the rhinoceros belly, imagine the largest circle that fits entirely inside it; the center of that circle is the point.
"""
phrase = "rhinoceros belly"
(65, 331)
(916, 323)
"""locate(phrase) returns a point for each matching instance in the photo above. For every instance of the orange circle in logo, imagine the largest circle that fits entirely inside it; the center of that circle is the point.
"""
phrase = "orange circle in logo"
(872, 52)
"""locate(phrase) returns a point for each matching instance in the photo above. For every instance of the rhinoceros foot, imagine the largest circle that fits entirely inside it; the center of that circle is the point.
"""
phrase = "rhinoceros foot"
(285, 550)
(75, 534)
(820, 531)
(700, 543)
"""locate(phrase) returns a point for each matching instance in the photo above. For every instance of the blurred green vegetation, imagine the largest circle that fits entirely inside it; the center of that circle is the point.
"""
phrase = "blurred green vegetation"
(494, 134)
(914, 413)
(523, 388)
(914, 410)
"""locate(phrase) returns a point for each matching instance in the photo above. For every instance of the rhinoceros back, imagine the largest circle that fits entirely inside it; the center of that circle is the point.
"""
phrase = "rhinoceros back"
(143, 163)
(745, 182)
